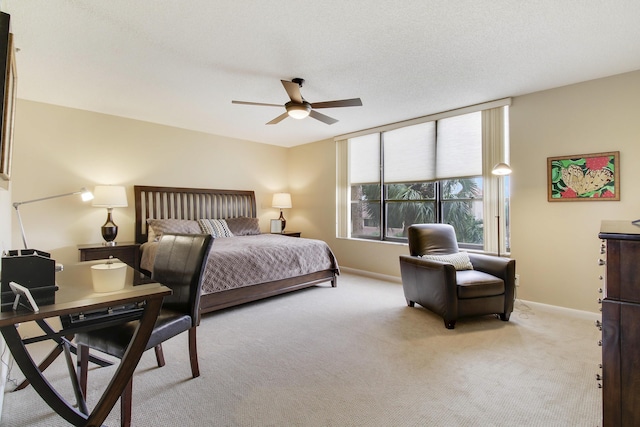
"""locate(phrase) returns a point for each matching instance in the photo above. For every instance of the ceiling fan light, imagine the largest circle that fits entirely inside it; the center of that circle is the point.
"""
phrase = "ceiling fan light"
(299, 111)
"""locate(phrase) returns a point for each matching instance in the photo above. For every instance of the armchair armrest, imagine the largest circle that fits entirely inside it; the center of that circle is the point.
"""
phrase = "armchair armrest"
(432, 284)
(503, 268)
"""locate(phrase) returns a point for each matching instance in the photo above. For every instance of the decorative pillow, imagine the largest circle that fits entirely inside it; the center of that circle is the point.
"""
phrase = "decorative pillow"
(459, 260)
(216, 227)
(157, 227)
(243, 226)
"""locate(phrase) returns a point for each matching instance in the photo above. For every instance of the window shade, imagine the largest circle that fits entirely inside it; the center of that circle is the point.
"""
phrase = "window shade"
(364, 159)
(459, 146)
(409, 153)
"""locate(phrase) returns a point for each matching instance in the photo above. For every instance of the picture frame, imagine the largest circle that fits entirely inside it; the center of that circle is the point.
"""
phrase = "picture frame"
(276, 226)
(8, 112)
(21, 291)
(584, 177)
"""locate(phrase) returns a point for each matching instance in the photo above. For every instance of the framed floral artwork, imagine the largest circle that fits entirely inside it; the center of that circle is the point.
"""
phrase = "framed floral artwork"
(584, 177)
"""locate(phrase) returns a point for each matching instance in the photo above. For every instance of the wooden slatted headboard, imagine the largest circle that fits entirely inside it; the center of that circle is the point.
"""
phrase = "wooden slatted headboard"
(189, 203)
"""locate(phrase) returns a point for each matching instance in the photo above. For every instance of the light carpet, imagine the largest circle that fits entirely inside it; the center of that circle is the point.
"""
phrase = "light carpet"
(356, 355)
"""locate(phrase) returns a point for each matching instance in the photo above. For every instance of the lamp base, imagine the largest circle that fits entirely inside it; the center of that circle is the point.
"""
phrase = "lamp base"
(283, 221)
(109, 230)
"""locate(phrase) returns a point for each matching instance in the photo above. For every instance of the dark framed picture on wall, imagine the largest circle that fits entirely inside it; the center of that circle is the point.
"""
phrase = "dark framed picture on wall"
(584, 177)
(8, 87)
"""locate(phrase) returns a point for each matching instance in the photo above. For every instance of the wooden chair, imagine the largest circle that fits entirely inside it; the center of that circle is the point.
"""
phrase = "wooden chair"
(178, 265)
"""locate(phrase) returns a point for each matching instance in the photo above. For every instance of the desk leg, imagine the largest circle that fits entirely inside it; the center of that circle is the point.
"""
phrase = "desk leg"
(115, 388)
(80, 400)
(128, 364)
(39, 382)
(56, 352)
(53, 355)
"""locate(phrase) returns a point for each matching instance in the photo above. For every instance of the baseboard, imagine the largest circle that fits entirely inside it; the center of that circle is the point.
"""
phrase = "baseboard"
(370, 274)
(588, 315)
(580, 314)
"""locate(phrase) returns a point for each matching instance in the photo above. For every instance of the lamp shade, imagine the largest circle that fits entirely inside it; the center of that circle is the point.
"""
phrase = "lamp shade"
(501, 169)
(281, 200)
(86, 195)
(109, 196)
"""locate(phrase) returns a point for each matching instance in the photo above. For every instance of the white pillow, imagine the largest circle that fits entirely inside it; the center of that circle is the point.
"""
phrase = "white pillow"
(459, 260)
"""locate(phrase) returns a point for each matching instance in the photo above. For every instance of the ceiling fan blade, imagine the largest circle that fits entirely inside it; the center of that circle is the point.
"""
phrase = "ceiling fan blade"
(325, 119)
(256, 103)
(293, 90)
(278, 119)
(353, 102)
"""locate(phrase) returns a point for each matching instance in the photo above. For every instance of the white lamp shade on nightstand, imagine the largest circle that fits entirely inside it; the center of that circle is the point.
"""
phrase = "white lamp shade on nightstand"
(109, 196)
(281, 201)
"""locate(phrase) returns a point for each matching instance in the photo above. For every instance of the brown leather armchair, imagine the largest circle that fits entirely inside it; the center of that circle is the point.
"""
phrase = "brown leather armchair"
(431, 280)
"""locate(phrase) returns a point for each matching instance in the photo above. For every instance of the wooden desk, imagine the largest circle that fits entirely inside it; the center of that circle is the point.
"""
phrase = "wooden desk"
(74, 296)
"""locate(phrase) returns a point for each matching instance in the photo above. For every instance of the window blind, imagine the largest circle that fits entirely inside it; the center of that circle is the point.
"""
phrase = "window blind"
(364, 159)
(459, 146)
(409, 153)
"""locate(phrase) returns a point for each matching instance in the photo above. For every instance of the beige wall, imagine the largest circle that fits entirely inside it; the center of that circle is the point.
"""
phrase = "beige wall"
(59, 150)
(555, 244)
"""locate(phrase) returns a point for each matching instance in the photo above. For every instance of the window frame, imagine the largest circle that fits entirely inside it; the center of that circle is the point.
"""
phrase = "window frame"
(495, 149)
(438, 201)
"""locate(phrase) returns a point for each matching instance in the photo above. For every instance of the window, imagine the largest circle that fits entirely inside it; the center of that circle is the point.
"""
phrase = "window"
(428, 171)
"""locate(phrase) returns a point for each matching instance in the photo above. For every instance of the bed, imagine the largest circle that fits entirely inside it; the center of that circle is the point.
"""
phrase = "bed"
(244, 267)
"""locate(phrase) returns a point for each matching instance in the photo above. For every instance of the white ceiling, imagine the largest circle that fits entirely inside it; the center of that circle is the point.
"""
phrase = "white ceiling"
(180, 63)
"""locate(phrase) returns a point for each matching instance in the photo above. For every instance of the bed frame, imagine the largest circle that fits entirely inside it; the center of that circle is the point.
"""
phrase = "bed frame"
(195, 203)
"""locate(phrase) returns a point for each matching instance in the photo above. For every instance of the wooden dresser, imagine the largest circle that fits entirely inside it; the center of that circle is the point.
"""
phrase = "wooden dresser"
(621, 324)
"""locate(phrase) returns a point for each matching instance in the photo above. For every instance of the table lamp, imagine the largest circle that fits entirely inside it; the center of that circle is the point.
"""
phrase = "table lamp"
(85, 194)
(109, 196)
(282, 201)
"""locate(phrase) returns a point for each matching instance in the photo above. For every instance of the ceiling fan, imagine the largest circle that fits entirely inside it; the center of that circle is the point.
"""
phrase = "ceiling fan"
(299, 108)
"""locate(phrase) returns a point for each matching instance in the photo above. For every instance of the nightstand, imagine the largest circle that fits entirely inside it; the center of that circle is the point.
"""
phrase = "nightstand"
(291, 233)
(129, 253)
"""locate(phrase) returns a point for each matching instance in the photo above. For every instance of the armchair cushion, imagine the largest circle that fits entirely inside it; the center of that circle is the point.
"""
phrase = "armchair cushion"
(459, 260)
(476, 284)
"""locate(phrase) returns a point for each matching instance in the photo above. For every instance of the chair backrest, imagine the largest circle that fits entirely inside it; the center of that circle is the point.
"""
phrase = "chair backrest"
(432, 239)
(179, 263)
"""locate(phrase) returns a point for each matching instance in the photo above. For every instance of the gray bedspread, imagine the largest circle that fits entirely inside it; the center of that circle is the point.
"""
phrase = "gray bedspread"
(239, 261)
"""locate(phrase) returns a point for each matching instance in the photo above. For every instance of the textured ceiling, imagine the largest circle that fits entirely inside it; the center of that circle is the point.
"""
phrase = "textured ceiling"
(180, 63)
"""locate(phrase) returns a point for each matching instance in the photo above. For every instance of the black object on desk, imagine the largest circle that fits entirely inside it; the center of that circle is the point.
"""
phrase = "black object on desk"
(31, 269)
